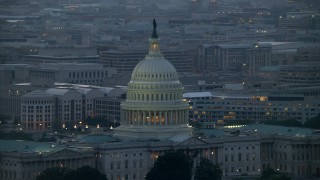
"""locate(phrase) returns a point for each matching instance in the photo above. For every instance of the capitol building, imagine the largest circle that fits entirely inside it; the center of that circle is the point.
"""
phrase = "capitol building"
(154, 120)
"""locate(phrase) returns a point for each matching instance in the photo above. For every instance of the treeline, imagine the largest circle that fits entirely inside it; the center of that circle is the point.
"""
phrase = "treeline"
(15, 135)
(61, 173)
(313, 123)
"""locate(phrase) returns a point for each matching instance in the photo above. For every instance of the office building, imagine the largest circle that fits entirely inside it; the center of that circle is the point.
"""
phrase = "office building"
(212, 109)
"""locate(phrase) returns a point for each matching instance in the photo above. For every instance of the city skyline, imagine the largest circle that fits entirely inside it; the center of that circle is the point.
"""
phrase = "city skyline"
(114, 85)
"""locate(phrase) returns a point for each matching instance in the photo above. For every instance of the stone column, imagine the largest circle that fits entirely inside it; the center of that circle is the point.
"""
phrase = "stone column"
(186, 120)
(159, 117)
(166, 118)
(176, 117)
(127, 117)
(143, 117)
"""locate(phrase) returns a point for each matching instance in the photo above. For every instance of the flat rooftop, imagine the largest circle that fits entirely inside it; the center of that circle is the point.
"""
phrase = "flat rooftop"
(22, 146)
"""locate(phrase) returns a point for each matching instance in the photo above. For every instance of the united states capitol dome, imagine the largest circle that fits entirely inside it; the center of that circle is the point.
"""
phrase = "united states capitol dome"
(154, 69)
(154, 108)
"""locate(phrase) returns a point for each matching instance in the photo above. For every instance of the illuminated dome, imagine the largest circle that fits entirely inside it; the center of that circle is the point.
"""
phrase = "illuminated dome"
(154, 108)
(156, 69)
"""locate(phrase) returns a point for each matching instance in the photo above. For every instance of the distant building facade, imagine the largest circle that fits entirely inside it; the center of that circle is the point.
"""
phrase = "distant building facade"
(69, 105)
(300, 74)
(25, 160)
(238, 57)
(78, 73)
(126, 60)
(210, 108)
(37, 111)
(62, 55)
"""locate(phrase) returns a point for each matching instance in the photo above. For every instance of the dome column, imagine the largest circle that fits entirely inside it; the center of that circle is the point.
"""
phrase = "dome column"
(176, 117)
(128, 120)
(186, 117)
(166, 118)
(143, 117)
(133, 116)
(121, 116)
(129, 117)
(136, 114)
(162, 118)
(139, 117)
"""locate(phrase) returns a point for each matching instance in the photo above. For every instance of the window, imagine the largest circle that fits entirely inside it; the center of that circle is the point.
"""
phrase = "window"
(134, 163)
(126, 164)
(111, 165)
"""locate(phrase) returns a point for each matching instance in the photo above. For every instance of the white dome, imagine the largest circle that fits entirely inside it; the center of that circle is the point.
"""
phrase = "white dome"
(154, 108)
(155, 69)
(155, 82)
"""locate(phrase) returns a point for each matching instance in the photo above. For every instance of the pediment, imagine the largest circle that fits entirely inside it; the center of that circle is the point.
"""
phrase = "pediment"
(63, 152)
(192, 141)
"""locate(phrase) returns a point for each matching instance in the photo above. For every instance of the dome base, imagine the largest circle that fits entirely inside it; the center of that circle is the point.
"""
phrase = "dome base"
(151, 132)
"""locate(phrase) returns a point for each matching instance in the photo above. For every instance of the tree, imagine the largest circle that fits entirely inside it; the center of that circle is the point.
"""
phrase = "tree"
(15, 135)
(82, 173)
(313, 123)
(174, 165)
(3, 119)
(88, 173)
(287, 122)
(207, 170)
(56, 125)
(55, 173)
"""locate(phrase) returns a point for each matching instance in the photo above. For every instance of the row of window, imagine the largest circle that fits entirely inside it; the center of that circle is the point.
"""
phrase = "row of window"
(118, 164)
(90, 74)
(232, 157)
(239, 148)
(239, 170)
(154, 97)
(37, 101)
